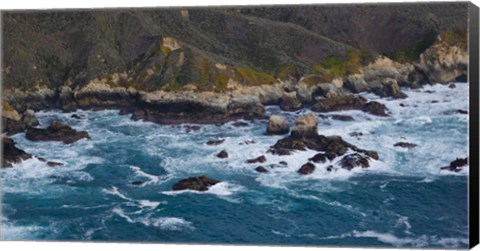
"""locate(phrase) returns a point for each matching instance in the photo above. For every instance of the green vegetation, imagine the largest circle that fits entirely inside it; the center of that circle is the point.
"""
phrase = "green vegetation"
(456, 37)
(6, 106)
(334, 67)
(286, 71)
(411, 54)
(253, 77)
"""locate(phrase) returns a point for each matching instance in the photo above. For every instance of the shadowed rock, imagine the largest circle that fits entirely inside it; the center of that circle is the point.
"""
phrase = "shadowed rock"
(349, 102)
(223, 154)
(56, 132)
(259, 159)
(307, 168)
(201, 183)
(290, 102)
(137, 183)
(456, 165)
(54, 164)
(261, 169)
(11, 154)
(215, 142)
(405, 145)
(354, 160)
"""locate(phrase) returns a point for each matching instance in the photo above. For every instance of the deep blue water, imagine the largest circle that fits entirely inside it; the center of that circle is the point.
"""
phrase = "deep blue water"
(403, 200)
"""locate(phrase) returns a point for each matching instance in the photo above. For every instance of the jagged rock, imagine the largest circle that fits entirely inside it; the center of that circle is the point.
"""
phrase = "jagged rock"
(259, 159)
(349, 102)
(223, 154)
(375, 108)
(319, 158)
(443, 63)
(353, 160)
(305, 126)
(54, 164)
(201, 183)
(11, 120)
(456, 165)
(277, 125)
(11, 154)
(389, 88)
(261, 169)
(452, 86)
(332, 146)
(290, 102)
(56, 132)
(356, 84)
(29, 118)
(405, 145)
(307, 168)
(215, 142)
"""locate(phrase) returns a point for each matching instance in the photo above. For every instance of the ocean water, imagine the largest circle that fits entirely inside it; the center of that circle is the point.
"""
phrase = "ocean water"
(403, 200)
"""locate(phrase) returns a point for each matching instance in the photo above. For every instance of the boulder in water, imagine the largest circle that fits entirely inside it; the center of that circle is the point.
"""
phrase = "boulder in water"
(307, 168)
(56, 132)
(200, 183)
(277, 125)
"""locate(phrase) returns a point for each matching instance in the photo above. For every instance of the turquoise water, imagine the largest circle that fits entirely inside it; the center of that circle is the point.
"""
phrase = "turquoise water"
(403, 200)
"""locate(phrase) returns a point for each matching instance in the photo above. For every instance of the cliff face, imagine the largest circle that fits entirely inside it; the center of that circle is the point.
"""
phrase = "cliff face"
(170, 48)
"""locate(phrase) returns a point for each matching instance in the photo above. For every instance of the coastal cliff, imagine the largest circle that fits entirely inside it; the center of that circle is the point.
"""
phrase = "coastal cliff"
(214, 65)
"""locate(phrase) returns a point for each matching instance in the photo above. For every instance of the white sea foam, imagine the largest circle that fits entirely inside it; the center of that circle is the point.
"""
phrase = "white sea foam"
(165, 223)
(221, 189)
(114, 191)
(152, 178)
(388, 238)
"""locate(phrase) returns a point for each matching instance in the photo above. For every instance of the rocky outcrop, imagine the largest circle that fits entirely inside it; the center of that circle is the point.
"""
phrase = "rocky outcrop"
(15, 122)
(305, 136)
(201, 183)
(405, 145)
(349, 102)
(222, 154)
(456, 165)
(201, 108)
(443, 63)
(353, 160)
(56, 132)
(11, 154)
(259, 159)
(277, 125)
(261, 169)
(215, 142)
(290, 102)
(307, 168)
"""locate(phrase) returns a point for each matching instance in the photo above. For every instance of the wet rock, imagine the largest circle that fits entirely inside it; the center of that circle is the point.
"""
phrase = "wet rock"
(200, 183)
(353, 160)
(290, 102)
(307, 168)
(215, 142)
(54, 164)
(11, 154)
(389, 88)
(375, 108)
(350, 102)
(452, 86)
(137, 183)
(456, 165)
(76, 116)
(330, 168)
(223, 154)
(356, 134)
(261, 169)
(405, 145)
(56, 132)
(305, 126)
(240, 124)
(341, 117)
(356, 84)
(259, 159)
(277, 125)
(319, 158)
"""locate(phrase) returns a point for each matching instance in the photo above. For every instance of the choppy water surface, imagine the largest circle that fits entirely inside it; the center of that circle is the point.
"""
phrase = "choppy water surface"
(402, 200)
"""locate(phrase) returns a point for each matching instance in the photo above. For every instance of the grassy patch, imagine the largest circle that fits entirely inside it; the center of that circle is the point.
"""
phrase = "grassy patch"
(334, 67)
(253, 77)
(411, 54)
(455, 38)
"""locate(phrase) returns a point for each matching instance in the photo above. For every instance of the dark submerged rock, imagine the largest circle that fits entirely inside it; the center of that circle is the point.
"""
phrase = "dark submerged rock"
(319, 158)
(405, 145)
(54, 164)
(259, 159)
(56, 132)
(11, 154)
(137, 183)
(215, 142)
(354, 160)
(223, 154)
(261, 169)
(307, 168)
(200, 183)
(456, 165)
